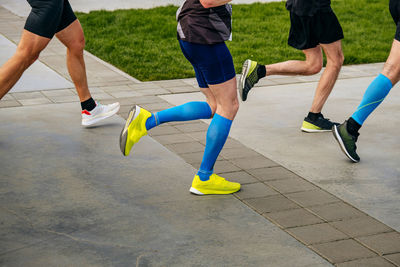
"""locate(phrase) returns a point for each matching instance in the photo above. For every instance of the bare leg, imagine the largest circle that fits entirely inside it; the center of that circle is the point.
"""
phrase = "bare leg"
(226, 98)
(72, 37)
(392, 65)
(217, 133)
(28, 51)
(328, 79)
(210, 98)
(310, 66)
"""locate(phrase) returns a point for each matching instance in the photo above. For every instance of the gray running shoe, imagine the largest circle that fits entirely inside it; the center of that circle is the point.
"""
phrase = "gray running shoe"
(347, 142)
(248, 78)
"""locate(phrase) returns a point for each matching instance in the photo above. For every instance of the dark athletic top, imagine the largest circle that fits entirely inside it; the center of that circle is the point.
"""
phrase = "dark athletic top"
(200, 25)
(308, 7)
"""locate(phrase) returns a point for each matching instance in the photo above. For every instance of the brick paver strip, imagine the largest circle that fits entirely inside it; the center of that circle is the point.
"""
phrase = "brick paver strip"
(173, 139)
(163, 130)
(343, 250)
(186, 147)
(254, 162)
(241, 177)
(362, 226)
(317, 233)
(337, 211)
(192, 158)
(312, 198)
(387, 243)
(236, 153)
(270, 174)
(369, 262)
(192, 127)
(293, 218)
(271, 204)
(255, 191)
(9, 103)
(35, 101)
(291, 202)
(28, 95)
(223, 166)
(292, 185)
(393, 258)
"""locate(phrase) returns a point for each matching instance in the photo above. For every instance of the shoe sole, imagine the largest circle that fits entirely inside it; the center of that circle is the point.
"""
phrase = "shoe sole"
(123, 137)
(314, 130)
(245, 71)
(197, 192)
(100, 118)
(341, 144)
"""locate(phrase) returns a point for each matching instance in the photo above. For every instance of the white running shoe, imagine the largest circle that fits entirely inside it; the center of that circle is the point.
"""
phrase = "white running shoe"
(100, 112)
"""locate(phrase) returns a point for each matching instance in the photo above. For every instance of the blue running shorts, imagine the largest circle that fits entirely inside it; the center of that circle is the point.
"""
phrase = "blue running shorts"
(212, 63)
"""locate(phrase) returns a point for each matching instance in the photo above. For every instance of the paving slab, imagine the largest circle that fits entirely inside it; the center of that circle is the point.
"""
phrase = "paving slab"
(343, 250)
(293, 218)
(269, 122)
(317, 233)
(68, 197)
(369, 262)
(387, 243)
(37, 77)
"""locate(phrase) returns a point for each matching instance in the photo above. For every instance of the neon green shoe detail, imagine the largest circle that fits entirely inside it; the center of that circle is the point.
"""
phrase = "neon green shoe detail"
(253, 65)
(309, 127)
(134, 129)
(216, 185)
(319, 125)
(248, 78)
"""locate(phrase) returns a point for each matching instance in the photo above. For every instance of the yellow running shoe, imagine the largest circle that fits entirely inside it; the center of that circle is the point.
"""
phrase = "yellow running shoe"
(216, 185)
(134, 129)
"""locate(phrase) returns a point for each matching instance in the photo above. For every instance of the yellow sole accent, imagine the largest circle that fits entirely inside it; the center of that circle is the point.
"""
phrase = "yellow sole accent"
(310, 126)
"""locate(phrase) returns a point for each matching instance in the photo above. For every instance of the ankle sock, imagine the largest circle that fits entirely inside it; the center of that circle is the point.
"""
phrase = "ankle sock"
(313, 116)
(261, 71)
(217, 134)
(88, 105)
(186, 112)
(353, 127)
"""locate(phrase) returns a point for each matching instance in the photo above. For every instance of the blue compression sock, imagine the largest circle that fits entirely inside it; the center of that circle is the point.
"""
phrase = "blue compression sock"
(217, 134)
(185, 112)
(373, 96)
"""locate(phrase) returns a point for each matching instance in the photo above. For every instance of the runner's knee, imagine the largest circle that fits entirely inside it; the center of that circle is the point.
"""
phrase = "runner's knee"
(336, 60)
(77, 45)
(313, 67)
(231, 107)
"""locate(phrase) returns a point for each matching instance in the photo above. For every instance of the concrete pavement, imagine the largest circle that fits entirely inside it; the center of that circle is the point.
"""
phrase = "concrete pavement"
(69, 198)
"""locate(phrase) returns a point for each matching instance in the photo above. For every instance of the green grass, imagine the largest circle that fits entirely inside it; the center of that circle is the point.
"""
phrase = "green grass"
(143, 42)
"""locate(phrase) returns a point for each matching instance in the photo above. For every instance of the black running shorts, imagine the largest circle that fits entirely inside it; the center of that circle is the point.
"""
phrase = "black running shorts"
(309, 31)
(48, 17)
(394, 7)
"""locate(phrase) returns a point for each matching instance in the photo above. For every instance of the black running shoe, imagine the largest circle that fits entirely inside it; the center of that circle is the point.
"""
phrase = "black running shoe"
(321, 124)
(347, 142)
(248, 78)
